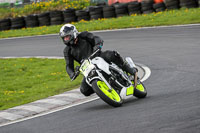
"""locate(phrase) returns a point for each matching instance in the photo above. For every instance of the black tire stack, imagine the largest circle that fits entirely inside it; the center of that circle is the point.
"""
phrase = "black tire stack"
(69, 15)
(147, 6)
(56, 17)
(188, 3)
(5, 24)
(96, 12)
(17, 23)
(159, 7)
(82, 15)
(172, 4)
(121, 9)
(109, 12)
(134, 8)
(31, 21)
(44, 19)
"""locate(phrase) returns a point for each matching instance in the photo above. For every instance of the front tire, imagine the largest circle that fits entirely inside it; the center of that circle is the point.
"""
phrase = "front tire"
(102, 90)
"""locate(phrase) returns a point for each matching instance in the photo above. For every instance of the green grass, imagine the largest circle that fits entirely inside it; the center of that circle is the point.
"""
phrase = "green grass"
(25, 80)
(173, 17)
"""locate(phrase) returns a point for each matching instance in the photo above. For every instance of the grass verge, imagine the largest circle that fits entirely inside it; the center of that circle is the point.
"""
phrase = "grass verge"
(173, 17)
(24, 80)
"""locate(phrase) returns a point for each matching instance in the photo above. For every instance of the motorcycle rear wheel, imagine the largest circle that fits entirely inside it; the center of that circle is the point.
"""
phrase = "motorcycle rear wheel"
(140, 91)
(102, 90)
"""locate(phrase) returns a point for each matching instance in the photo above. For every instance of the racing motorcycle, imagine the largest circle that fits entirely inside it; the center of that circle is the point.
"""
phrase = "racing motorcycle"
(110, 82)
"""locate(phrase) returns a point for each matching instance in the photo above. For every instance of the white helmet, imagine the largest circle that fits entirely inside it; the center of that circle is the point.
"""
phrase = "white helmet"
(70, 31)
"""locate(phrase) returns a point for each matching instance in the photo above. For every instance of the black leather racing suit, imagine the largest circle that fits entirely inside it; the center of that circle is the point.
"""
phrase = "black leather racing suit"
(84, 47)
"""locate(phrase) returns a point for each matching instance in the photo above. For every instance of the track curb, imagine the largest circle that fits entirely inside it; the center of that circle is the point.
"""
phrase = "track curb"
(53, 103)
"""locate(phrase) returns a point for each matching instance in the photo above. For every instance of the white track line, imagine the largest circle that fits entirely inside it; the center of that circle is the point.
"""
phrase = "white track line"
(153, 27)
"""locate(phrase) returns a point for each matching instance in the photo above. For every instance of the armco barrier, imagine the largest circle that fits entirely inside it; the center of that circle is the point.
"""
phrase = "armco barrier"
(96, 12)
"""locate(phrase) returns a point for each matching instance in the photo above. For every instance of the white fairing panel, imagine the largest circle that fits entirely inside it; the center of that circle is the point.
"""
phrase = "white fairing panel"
(123, 94)
(130, 62)
(101, 64)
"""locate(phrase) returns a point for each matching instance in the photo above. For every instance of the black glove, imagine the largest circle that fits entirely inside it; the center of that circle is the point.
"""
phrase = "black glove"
(75, 74)
(98, 46)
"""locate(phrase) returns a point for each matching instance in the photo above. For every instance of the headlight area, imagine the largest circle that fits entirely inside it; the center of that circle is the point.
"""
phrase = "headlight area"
(92, 75)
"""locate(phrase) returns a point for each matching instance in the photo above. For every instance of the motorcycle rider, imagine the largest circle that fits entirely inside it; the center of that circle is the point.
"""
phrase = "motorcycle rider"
(80, 46)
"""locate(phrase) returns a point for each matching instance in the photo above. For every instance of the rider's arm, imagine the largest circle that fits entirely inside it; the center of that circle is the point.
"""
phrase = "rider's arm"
(95, 41)
(69, 62)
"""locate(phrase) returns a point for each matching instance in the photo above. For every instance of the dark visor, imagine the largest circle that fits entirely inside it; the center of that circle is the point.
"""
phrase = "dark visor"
(67, 31)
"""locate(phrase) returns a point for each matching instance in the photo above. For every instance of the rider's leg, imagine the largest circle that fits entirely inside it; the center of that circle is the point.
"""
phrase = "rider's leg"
(114, 56)
(85, 88)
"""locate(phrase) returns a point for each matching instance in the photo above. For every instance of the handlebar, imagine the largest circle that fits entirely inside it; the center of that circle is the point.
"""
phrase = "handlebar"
(77, 72)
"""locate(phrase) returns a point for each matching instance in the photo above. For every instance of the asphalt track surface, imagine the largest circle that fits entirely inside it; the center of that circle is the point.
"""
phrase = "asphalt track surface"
(173, 101)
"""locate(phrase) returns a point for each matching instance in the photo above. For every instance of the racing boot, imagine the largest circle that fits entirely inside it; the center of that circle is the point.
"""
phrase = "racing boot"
(132, 71)
(127, 68)
(124, 65)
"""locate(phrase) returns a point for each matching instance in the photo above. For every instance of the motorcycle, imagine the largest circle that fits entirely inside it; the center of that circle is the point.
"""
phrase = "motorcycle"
(110, 82)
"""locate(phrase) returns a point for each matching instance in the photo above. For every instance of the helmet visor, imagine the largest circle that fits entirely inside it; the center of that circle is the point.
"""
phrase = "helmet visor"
(66, 31)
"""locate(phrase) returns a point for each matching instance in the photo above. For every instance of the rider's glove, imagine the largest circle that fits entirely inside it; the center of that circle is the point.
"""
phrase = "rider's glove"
(98, 46)
(71, 75)
(75, 74)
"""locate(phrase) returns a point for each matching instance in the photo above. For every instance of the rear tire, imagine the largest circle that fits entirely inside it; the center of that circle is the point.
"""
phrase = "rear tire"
(140, 91)
(101, 89)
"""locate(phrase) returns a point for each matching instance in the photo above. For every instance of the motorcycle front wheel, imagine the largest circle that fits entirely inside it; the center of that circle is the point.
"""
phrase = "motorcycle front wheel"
(110, 97)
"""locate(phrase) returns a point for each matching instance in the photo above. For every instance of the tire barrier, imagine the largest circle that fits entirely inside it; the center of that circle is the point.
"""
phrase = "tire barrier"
(69, 15)
(134, 8)
(56, 17)
(95, 12)
(159, 7)
(188, 3)
(147, 6)
(172, 4)
(82, 15)
(109, 12)
(17, 23)
(44, 19)
(31, 21)
(5, 24)
(121, 9)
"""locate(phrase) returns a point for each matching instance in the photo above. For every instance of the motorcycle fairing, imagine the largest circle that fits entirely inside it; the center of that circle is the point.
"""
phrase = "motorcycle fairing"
(101, 64)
